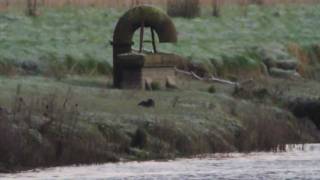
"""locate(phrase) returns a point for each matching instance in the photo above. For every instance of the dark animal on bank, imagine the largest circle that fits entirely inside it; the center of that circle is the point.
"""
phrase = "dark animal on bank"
(148, 103)
(307, 108)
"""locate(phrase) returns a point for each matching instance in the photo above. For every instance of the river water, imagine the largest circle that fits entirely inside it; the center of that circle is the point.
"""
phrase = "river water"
(298, 162)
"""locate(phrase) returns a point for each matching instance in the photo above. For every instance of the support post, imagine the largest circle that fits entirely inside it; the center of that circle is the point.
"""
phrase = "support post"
(153, 41)
(141, 36)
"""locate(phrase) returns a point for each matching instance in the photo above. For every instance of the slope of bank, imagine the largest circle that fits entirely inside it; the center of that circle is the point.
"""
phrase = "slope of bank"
(80, 120)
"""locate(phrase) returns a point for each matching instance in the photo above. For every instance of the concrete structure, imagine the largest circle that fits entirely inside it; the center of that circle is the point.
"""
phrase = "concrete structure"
(139, 69)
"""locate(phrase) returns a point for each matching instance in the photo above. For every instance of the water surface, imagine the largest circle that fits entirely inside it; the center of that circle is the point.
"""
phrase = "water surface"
(299, 162)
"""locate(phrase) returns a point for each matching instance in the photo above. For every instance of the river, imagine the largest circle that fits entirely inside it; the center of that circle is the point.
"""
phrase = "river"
(298, 162)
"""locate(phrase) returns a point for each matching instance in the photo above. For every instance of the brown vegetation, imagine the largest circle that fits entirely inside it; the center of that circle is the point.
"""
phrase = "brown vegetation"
(308, 58)
(264, 131)
(128, 3)
(299, 53)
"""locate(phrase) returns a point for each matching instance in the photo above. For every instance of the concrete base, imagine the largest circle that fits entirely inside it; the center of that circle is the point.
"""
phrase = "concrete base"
(140, 70)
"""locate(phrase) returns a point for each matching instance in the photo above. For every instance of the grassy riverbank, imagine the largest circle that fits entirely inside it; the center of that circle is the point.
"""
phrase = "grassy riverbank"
(57, 106)
(80, 120)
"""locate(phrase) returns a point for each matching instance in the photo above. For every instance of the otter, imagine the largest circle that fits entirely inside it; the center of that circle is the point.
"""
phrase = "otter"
(148, 103)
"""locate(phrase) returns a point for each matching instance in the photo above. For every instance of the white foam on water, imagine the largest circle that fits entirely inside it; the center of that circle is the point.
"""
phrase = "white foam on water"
(298, 162)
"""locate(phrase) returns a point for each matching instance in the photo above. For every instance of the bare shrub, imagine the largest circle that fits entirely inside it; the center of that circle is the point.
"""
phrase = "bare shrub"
(117, 140)
(10, 142)
(166, 136)
(20, 144)
(85, 148)
(169, 138)
(266, 130)
(48, 130)
(183, 8)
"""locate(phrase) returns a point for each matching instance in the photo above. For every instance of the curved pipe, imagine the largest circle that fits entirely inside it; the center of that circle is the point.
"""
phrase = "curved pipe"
(152, 17)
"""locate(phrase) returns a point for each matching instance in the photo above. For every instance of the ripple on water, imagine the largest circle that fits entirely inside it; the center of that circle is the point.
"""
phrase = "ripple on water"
(298, 162)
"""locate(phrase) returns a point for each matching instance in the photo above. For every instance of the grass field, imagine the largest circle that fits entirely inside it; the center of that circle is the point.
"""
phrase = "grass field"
(77, 39)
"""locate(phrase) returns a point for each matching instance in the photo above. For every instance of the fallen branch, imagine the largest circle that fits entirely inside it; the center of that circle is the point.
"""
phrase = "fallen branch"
(212, 78)
(223, 81)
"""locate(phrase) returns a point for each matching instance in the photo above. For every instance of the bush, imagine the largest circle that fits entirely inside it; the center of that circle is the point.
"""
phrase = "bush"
(183, 8)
